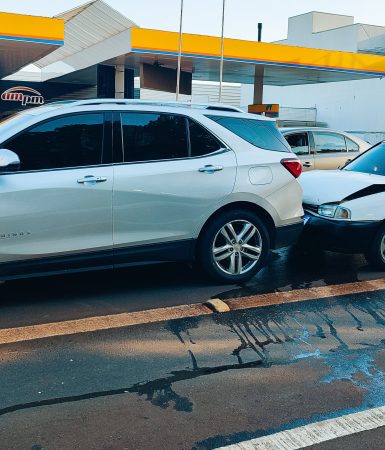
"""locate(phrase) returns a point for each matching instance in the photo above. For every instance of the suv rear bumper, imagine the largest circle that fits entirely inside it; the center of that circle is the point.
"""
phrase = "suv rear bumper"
(287, 235)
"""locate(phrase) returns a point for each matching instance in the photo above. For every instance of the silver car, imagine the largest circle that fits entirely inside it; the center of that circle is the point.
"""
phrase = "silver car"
(98, 184)
(323, 148)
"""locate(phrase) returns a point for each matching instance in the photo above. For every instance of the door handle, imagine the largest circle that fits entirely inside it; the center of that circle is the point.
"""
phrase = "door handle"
(92, 179)
(307, 164)
(210, 168)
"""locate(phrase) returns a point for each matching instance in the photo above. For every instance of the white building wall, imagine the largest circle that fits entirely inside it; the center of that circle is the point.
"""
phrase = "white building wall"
(350, 106)
(325, 21)
(322, 30)
(357, 106)
(371, 39)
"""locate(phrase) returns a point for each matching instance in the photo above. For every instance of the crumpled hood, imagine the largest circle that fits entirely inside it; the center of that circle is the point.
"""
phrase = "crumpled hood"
(329, 186)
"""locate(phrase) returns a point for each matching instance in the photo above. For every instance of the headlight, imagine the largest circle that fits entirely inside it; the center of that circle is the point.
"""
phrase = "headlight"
(334, 211)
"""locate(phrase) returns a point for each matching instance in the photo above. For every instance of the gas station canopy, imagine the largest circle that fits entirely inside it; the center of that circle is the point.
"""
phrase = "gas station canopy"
(284, 65)
(24, 39)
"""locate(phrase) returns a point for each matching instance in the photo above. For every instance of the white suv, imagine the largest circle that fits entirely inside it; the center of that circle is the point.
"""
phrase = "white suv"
(97, 184)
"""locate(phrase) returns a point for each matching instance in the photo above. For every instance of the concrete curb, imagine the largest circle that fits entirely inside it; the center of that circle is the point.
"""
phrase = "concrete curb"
(300, 295)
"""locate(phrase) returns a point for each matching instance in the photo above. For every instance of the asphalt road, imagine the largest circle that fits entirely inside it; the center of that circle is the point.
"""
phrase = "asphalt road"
(52, 299)
(195, 383)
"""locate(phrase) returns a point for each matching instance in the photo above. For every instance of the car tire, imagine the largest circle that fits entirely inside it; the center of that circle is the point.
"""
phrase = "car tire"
(234, 246)
(376, 253)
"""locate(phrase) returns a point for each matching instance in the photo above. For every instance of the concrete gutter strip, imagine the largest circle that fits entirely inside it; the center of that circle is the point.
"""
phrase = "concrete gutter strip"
(91, 324)
(300, 295)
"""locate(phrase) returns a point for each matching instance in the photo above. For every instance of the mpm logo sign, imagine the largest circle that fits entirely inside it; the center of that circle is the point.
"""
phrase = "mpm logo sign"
(24, 95)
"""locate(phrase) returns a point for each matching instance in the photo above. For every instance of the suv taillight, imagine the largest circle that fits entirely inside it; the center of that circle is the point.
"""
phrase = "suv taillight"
(293, 166)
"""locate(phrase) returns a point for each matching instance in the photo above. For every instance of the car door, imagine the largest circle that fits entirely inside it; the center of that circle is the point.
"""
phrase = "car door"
(59, 204)
(300, 145)
(174, 172)
(330, 150)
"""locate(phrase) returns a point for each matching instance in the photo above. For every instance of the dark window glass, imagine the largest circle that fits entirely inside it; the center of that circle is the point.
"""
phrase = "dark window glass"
(329, 142)
(69, 141)
(261, 133)
(150, 136)
(351, 146)
(299, 143)
(202, 142)
(372, 161)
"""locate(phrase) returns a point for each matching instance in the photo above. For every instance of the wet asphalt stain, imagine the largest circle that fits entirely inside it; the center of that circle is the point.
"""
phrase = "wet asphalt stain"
(309, 330)
(180, 326)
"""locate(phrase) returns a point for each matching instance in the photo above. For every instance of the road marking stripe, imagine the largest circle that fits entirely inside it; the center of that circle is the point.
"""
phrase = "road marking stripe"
(316, 433)
(107, 322)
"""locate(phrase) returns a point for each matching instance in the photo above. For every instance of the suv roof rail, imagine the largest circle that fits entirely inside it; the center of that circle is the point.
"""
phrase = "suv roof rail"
(118, 101)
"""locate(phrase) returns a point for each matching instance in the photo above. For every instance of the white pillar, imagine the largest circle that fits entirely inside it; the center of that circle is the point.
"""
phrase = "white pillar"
(119, 81)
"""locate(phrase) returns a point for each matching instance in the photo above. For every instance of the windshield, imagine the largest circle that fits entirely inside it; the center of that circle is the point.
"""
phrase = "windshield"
(372, 161)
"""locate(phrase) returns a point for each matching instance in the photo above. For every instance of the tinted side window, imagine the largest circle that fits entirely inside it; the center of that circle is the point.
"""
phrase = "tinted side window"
(299, 143)
(152, 136)
(351, 146)
(68, 141)
(260, 133)
(202, 142)
(329, 142)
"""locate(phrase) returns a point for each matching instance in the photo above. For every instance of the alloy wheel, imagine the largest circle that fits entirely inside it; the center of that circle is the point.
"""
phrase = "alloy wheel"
(237, 247)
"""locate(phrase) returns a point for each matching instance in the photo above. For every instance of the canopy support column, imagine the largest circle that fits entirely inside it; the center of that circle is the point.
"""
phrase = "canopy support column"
(258, 84)
(119, 81)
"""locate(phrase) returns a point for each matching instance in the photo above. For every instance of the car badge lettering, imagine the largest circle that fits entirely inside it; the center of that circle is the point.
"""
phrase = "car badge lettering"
(24, 95)
(14, 235)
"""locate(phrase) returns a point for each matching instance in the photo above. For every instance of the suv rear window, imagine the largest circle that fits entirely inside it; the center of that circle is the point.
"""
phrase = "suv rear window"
(260, 133)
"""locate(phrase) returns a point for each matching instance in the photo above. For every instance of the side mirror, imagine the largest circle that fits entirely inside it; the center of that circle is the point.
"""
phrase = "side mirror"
(9, 161)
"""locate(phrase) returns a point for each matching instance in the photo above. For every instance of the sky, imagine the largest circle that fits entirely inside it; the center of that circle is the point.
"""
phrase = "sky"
(204, 16)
